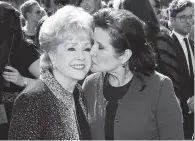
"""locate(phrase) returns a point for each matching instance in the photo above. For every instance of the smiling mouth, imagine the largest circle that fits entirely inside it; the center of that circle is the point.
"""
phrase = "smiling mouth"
(79, 66)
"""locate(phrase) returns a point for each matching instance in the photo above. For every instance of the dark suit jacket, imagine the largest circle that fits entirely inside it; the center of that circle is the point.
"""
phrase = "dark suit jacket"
(186, 86)
(45, 111)
(186, 81)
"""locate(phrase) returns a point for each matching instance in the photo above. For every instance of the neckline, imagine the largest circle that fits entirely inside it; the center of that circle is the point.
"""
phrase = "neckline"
(126, 85)
(54, 85)
(112, 93)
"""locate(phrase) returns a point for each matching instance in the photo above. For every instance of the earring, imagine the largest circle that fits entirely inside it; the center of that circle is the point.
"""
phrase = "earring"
(124, 65)
(53, 66)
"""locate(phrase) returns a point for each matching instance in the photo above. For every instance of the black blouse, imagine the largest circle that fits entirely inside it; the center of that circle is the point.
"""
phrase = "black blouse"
(112, 95)
(21, 58)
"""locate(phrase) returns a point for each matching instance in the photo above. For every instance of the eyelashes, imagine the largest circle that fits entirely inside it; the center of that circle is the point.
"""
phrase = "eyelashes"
(71, 49)
(88, 49)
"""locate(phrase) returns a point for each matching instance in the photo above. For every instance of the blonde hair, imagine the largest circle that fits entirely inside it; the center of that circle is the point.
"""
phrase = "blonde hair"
(60, 26)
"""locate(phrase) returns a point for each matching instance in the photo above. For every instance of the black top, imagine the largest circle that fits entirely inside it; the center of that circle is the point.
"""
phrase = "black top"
(21, 58)
(84, 129)
(112, 95)
(29, 38)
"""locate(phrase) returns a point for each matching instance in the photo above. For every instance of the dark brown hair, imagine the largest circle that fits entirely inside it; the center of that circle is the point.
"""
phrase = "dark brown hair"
(143, 10)
(177, 6)
(127, 32)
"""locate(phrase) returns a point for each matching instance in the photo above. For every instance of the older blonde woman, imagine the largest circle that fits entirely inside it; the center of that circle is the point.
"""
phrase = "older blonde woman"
(54, 108)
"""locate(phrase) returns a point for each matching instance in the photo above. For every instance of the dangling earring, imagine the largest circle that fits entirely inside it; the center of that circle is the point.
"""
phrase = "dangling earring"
(124, 65)
(53, 66)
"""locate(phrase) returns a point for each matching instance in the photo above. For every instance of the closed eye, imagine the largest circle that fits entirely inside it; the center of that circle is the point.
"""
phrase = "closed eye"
(71, 49)
(101, 46)
(88, 49)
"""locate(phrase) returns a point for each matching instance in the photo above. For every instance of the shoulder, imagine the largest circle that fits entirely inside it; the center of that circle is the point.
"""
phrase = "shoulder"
(94, 77)
(157, 84)
(37, 90)
(92, 82)
(156, 79)
(165, 43)
(159, 77)
(164, 35)
(28, 46)
(30, 51)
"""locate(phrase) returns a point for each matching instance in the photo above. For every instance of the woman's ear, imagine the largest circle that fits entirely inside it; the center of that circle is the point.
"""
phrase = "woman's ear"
(126, 56)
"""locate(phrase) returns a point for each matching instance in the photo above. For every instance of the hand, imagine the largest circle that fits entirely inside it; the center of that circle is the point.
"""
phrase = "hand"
(12, 75)
(190, 103)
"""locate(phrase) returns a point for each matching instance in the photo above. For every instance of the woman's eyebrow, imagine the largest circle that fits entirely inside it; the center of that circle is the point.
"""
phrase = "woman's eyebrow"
(100, 44)
(74, 44)
(87, 43)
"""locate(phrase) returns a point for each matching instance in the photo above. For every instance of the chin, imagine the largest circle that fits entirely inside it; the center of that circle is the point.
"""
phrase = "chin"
(102, 69)
(79, 76)
(93, 69)
(97, 70)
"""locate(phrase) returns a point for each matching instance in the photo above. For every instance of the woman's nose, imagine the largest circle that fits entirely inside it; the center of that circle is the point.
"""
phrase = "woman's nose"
(81, 56)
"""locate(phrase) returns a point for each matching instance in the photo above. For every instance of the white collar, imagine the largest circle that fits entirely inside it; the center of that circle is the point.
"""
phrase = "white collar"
(179, 36)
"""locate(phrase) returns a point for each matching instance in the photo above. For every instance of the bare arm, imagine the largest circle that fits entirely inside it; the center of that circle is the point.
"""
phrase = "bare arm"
(15, 77)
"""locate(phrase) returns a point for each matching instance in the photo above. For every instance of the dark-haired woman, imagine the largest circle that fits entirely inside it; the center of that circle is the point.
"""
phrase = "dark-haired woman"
(126, 98)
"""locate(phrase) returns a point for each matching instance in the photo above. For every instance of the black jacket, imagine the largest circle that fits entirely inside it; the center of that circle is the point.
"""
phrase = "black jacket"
(172, 62)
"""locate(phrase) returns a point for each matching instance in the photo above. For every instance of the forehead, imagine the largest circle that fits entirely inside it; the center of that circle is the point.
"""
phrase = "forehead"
(82, 36)
(186, 11)
(101, 35)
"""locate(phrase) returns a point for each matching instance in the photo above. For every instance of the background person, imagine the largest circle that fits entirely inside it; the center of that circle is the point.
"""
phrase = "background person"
(19, 62)
(32, 13)
(177, 59)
